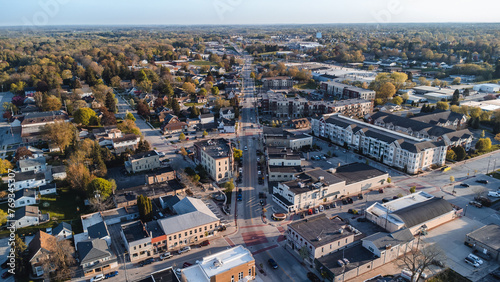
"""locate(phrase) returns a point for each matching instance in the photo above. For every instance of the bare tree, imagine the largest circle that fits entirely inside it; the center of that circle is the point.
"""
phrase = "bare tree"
(420, 258)
(57, 264)
(97, 205)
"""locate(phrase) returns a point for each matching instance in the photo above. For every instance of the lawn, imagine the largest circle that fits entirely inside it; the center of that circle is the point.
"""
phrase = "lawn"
(308, 85)
(202, 63)
(193, 104)
(156, 124)
(493, 148)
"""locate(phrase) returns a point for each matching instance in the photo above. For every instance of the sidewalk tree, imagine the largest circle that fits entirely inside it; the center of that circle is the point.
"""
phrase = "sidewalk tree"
(129, 126)
(182, 137)
(130, 116)
(413, 189)
(237, 154)
(418, 260)
(205, 133)
(229, 185)
(483, 144)
(143, 109)
(450, 155)
(184, 153)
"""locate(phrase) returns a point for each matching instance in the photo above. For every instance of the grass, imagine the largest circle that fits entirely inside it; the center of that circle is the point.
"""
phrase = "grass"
(193, 104)
(308, 85)
(202, 63)
(267, 53)
(493, 148)
(156, 124)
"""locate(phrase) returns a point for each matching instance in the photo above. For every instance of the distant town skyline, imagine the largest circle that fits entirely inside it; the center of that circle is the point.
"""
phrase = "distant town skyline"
(226, 12)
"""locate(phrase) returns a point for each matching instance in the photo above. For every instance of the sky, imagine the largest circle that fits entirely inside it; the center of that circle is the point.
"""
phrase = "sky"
(233, 12)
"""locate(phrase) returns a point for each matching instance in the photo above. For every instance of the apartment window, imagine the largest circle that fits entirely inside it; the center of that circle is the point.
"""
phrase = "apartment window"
(190, 232)
(200, 229)
(205, 228)
(195, 231)
(175, 237)
(240, 276)
(185, 233)
(232, 278)
(346, 241)
(250, 272)
(170, 238)
(210, 226)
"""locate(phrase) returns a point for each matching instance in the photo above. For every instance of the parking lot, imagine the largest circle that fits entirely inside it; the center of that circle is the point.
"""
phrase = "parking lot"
(124, 180)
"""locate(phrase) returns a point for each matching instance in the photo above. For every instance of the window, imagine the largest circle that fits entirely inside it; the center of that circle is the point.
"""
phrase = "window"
(205, 228)
(200, 229)
(232, 278)
(190, 232)
(185, 233)
(250, 272)
(240, 276)
(195, 231)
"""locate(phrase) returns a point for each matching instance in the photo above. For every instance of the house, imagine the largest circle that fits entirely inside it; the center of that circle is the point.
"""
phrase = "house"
(288, 140)
(283, 173)
(319, 235)
(39, 249)
(163, 114)
(412, 212)
(58, 172)
(36, 153)
(95, 257)
(206, 118)
(193, 223)
(201, 100)
(161, 175)
(29, 91)
(234, 264)
(125, 142)
(47, 189)
(137, 240)
(142, 161)
(99, 231)
(29, 179)
(63, 231)
(25, 197)
(486, 240)
(27, 216)
(172, 124)
(226, 126)
(33, 123)
(32, 164)
(226, 112)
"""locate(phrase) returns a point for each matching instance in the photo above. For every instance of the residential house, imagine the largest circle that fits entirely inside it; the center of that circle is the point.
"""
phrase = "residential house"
(226, 125)
(137, 240)
(201, 99)
(216, 156)
(27, 216)
(172, 124)
(58, 172)
(29, 91)
(63, 231)
(47, 189)
(39, 250)
(125, 142)
(142, 162)
(33, 123)
(234, 264)
(226, 112)
(29, 179)
(32, 164)
(95, 257)
(25, 197)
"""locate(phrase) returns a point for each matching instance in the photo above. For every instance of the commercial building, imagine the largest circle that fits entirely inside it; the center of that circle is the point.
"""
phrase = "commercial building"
(282, 157)
(407, 153)
(143, 161)
(486, 240)
(344, 91)
(161, 176)
(277, 137)
(277, 82)
(315, 187)
(235, 264)
(137, 240)
(414, 212)
(487, 87)
(319, 235)
(216, 156)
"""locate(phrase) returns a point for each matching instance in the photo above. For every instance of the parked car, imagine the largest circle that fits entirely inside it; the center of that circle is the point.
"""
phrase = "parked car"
(96, 278)
(476, 204)
(262, 202)
(111, 274)
(362, 219)
(185, 250)
(360, 196)
(476, 258)
(471, 262)
(205, 243)
(313, 277)
(483, 200)
(166, 255)
(246, 148)
(381, 190)
(494, 194)
(385, 200)
(146, 262)
(482, 181)
(272, 263)
(438, 263)
(464, 184)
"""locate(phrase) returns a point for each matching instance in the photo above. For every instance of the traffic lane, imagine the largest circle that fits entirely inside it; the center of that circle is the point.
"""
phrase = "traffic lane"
(289, 268)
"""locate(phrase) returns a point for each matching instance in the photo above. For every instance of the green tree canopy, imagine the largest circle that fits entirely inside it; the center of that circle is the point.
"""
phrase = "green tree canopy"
(100, 186)
(83, 116)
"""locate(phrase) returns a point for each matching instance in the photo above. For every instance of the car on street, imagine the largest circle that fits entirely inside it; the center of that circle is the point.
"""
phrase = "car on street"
(146, 262)
(246, 148)
(476, 204)
(464, 184)
(96, 278)
(482, 181)
(186, 264)
(111, 274)
(262, 202)
(494, 194)
(272, 263)
(166, 255)
(185, 250)
(205, 243)
(313, 277)
(362, 219)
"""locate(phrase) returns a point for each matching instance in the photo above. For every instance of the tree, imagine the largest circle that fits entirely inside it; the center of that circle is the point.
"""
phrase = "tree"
(205, 133)
(20, 259)
(450, 155)
(482, 134)
(111, 102)
(413, 189)
(128, 126)
(423, 81)
(116, 81)
(497, 137)
(420, 258)
(174, 105)
(130, 116)
(386, 90)
(455, 99)
(459, 152)
(143, 146)
(304, 253)
(51, 103)
(3, 217)
(78, 176)
(229, 185)
(215, 90)
(182, 137)
(22, 153)
(83, 116)
(145, 208)
(397, 100)
(452, 179)
(108, 118)
(183, 152)
(456, 81)
(61, 133)
(57, 264)
(389, 180)
(143, 109)
(442, 106)
(483, 144)
(202, 92)
(189, 87)
(237, 154)
(100, 187)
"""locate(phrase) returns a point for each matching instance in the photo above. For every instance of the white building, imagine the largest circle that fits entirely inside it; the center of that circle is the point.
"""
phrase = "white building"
(32, 164)
(226, 112)
(487, 87)
(389, 147)
(29, 179)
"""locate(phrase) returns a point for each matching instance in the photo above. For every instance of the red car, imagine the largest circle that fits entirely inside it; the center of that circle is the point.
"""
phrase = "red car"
(186, 264)
(205, 243)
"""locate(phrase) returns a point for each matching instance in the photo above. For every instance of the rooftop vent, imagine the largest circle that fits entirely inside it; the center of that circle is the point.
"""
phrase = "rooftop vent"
(217, 263)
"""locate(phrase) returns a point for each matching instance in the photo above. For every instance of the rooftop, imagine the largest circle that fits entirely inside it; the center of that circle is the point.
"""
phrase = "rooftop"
(28, 175)
(153, 227)
(285, 169)
(218, 263)
(134, 231)
(98, 230)
(32, 162)
(320, 230)
(383, 239)
(92, 250)
(356, 172)
(488, 235)
(144, 155)
(129, 195)
(216, 148)
(356, 254)
(185, 221)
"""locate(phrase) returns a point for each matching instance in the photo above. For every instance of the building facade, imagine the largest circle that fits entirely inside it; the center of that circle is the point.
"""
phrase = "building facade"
(142, 162)
(216, 156)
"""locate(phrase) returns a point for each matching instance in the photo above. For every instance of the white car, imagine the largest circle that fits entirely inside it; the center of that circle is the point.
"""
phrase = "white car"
(166, 255)
(494, 194)
(97, 278)
(246, 148)
(475, 258)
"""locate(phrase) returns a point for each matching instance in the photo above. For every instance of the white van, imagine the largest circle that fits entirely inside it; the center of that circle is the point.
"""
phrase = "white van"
(475, 258)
